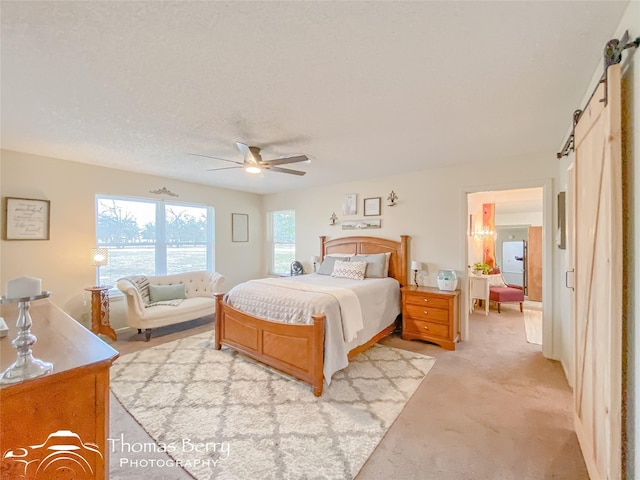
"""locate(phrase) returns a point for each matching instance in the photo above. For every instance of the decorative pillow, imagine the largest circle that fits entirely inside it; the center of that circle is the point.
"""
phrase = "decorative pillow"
(377, 263)
(327, 265)
(352, 270)
(141, 283)
(496, 280)
(386, 264)
(160, 293)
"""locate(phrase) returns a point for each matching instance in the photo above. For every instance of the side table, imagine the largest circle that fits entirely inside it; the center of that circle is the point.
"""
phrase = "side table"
(100, 311)
(479, 290)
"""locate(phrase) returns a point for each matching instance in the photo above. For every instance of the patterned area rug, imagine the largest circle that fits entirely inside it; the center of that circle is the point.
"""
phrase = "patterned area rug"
(220, 415)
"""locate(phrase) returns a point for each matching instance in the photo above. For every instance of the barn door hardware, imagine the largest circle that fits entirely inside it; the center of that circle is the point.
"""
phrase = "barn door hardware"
(612, 55)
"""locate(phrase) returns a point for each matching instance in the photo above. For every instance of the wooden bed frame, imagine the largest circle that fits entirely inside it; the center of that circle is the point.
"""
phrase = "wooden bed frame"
(295, 349)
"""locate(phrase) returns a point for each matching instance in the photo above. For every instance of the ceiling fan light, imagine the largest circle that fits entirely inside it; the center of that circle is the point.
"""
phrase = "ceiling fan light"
(253, 169)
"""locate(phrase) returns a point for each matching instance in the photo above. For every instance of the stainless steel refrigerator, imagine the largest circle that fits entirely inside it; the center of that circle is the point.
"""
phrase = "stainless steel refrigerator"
(514, 263)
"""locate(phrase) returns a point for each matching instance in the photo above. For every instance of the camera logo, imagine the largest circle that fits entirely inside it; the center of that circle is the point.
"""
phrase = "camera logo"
(62, 455)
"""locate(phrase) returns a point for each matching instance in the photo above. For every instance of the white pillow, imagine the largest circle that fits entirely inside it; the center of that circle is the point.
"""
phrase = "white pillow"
(386, 265)
(496, 280)
(352, 270)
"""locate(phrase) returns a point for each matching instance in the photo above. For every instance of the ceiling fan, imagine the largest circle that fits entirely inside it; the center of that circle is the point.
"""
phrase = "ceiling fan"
(254, 164)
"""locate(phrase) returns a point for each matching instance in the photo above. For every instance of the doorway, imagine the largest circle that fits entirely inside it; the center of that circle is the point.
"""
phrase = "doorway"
(511, 242)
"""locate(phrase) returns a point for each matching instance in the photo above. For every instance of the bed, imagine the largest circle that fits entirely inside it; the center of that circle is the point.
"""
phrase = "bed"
(299, 349)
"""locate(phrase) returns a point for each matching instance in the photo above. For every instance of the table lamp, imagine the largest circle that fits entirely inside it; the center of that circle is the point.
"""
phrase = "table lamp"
(315, 260)
(415, 266)
(99, 257)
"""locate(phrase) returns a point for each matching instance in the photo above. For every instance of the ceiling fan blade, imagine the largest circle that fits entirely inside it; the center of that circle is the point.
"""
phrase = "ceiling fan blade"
(244, 149)
(283, 170)
(284, 161)
(251, 154)
(215, 158)
(223, 168)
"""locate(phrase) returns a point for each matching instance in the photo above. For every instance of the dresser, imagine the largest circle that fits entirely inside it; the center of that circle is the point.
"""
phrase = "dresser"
(431, 314)
(63, 411)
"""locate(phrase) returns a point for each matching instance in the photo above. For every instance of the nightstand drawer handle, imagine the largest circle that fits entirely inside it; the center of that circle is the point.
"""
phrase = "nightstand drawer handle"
(426, 313)
(426, 300)
(426, 328)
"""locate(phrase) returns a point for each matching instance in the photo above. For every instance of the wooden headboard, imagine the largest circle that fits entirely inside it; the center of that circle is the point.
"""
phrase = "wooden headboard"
(398, 262)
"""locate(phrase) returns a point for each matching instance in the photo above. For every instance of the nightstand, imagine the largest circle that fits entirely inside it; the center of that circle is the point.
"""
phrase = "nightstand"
(431, 314)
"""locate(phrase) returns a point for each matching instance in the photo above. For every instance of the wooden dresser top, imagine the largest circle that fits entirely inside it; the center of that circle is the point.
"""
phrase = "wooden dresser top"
(61, 340)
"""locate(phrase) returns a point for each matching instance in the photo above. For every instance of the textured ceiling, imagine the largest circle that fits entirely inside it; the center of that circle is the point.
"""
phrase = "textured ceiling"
(367, 89)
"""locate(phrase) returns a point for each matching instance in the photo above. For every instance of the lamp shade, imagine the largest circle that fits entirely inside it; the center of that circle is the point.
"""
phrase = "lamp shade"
(99, 257)
(416, 265)
(315, 259)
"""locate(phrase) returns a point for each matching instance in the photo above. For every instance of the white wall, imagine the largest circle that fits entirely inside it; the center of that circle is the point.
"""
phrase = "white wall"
(631, 177)
(431, 209)
(525, 218)
(62, 261)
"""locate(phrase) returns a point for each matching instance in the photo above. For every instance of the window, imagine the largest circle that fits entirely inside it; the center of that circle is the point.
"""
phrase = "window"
(283, 243)
(153, 237)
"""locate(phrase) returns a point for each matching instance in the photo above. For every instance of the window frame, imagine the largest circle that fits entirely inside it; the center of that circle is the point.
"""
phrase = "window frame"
(273, 244)
(160, 242)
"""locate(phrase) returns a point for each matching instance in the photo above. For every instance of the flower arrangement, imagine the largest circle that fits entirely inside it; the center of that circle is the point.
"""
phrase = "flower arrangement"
(482, 268)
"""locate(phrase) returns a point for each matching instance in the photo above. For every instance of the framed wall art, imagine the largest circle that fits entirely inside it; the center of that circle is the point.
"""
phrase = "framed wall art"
(562, 221)
(371, 206)
(361, 224)
(350, 204)
(239, 227)
(26, 219)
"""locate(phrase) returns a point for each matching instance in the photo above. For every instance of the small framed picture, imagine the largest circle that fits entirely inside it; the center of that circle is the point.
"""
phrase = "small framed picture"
(26, 219)
(371, 206)
(350, 204)
(239, 227)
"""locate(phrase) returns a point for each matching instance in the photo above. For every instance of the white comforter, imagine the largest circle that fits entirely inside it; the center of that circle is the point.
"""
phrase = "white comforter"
(287, 300)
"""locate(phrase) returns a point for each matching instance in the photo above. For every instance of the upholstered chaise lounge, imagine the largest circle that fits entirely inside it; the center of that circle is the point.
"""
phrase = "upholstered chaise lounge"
(505, 293)
(157, 301)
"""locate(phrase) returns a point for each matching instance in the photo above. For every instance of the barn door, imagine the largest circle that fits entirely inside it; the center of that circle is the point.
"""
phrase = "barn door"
(598, 281)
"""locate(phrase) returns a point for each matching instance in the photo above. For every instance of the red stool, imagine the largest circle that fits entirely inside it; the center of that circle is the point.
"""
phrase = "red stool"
(508, 294)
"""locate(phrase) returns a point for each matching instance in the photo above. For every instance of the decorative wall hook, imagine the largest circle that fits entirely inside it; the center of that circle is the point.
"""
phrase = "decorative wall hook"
(392, 199)
(334, 219)
(164, 191)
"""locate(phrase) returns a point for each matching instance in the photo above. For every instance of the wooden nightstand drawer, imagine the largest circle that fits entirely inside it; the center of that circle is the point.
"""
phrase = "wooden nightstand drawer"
(419, 327)
(428, 300)
(427, 313)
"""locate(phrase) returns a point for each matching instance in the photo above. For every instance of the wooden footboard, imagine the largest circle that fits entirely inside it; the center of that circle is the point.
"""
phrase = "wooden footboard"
(297, 350)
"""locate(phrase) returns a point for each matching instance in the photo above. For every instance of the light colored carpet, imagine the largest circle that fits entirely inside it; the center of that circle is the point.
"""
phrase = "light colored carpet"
(220, 415)
(533, 326)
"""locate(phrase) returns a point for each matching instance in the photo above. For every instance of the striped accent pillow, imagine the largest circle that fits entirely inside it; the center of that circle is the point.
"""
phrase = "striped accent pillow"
(352, 270)
(142, 285)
